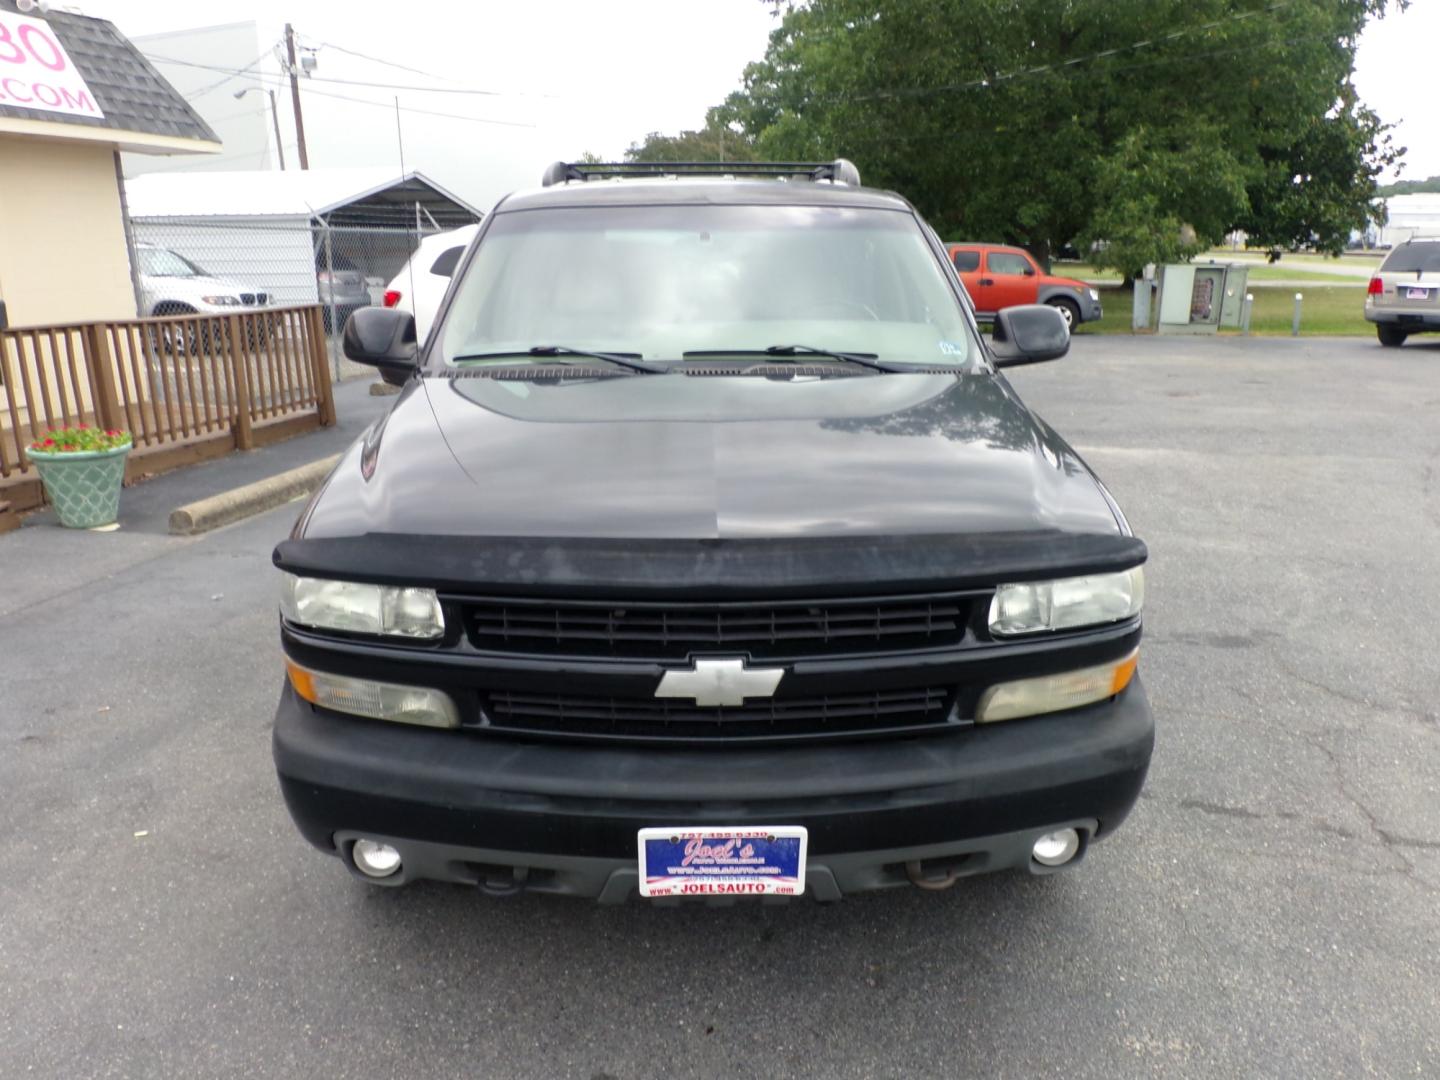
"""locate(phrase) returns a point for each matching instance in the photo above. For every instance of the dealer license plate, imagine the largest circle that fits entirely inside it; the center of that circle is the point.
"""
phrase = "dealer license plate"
(1417, 294)
(766, 861)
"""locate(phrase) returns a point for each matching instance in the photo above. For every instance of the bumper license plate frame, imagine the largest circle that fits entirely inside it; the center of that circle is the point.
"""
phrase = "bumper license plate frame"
(766, 860)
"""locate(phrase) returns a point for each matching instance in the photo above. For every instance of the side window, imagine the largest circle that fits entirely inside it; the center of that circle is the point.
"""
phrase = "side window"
(967, 260)
(444, 265)
(1007, 262)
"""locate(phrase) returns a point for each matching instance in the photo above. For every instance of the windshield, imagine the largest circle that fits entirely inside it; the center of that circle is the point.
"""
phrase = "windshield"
(1411, 257)
(158, 262)
(658, 282)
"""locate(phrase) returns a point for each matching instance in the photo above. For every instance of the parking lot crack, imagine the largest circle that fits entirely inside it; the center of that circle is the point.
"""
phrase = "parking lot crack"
(1428, 720)
(1392, 843)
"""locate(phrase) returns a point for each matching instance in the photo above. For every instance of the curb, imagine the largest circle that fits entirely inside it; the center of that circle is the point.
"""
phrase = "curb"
(242, 502)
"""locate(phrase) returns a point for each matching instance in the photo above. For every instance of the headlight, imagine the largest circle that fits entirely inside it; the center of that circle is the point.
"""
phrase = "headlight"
(380, 701)
(222, 301)
(361, 609)
(1032, 606)
(1094, 294)
(1052, 693)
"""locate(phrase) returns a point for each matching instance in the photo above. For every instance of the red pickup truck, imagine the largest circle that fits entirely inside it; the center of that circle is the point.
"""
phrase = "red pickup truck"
(998, 277)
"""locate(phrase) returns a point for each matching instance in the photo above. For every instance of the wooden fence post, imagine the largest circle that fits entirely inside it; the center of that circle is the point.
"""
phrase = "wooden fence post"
(240, 373)
(96, 346)
(324, 390)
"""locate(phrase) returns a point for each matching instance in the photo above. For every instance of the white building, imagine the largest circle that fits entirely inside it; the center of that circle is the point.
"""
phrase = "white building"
(199, 64)
(1410, 216)
(269, 230)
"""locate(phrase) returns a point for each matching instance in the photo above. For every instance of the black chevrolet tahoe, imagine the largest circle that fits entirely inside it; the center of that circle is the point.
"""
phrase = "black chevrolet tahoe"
(707, 553)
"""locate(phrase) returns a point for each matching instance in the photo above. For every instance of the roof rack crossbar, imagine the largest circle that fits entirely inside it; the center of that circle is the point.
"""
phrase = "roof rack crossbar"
(838, 171)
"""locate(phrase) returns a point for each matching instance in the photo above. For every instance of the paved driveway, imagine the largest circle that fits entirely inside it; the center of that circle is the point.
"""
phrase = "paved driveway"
(1269, 910)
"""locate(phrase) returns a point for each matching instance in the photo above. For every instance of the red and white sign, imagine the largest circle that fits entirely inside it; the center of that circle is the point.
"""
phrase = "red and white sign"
(36, 72)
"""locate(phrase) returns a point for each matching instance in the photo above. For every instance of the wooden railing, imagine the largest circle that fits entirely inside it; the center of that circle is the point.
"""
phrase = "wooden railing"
(186, 386)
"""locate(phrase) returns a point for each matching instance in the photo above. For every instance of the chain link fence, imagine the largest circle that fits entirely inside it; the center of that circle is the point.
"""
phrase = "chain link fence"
(208, 265)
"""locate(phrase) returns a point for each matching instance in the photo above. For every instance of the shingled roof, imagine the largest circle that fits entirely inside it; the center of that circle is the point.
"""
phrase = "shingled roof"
(133, 96)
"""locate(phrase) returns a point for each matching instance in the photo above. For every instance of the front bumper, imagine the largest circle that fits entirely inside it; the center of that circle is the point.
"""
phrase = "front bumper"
(560, 818)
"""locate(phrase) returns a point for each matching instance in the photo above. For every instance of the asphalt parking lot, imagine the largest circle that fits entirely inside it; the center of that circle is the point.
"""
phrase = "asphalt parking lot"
(1270, 909)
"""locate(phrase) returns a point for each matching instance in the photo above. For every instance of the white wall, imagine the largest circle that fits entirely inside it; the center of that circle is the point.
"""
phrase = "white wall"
(244, 126)
(1410, 216)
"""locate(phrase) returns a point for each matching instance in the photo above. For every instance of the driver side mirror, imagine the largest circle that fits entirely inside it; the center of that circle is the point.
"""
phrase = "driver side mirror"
(1028, 334)
(384, 338)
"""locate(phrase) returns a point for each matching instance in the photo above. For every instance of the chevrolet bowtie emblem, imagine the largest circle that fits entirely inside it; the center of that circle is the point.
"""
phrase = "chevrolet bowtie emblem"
(720, 682)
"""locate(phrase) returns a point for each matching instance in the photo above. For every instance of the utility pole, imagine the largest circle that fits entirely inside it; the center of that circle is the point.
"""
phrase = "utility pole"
(274, 119)
(295, 95)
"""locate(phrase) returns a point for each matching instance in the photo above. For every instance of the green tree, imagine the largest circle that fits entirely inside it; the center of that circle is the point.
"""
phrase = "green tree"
(716, 141)
(1412, 187)
(1148, 127)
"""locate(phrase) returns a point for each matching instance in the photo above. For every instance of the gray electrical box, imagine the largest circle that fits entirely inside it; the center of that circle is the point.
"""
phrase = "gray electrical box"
(1199, 299)
(1232, 306)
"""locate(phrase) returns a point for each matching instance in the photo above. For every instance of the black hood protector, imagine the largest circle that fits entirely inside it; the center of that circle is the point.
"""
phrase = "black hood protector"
(708, 569)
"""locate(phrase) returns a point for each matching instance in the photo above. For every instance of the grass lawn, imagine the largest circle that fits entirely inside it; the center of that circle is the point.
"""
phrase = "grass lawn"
(1303, 258)
(1085, 272)
(1285, 270)
(1327, 309)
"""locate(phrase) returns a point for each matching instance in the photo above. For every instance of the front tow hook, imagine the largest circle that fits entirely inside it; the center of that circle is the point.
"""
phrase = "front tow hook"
(918, 878)
(503, 880)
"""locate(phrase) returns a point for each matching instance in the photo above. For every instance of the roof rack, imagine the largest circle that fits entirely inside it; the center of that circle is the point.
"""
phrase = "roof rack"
(839, 171)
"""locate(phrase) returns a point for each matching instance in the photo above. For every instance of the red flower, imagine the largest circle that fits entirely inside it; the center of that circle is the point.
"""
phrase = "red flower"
(112, 432)
(48, 442)
(69, 446)
(82, 427)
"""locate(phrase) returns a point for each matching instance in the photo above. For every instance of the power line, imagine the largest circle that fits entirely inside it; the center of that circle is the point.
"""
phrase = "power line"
(1059, 66)
(236, 115)
(421, 112)
(404, 86)
(216, 85)
(345, 82)
(281, 81)
(413, 71)
(380, 60)
(1237, 50)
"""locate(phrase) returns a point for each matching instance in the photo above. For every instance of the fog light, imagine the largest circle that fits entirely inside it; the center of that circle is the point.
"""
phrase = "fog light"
(1056, 848)
(374, 859)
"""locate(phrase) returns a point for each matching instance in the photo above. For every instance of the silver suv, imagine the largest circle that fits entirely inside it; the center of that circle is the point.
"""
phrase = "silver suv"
(171, 284)
(1404, 296)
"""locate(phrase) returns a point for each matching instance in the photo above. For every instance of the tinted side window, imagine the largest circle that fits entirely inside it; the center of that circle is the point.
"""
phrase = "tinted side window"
(445, 264)
(1412, 257)
(1007, 262)
(967, 260)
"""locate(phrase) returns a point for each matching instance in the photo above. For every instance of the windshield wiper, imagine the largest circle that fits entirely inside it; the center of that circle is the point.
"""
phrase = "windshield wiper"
(799, 353)
(625, 360)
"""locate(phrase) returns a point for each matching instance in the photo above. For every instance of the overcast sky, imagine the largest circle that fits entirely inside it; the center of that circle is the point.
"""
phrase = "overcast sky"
(593, 75)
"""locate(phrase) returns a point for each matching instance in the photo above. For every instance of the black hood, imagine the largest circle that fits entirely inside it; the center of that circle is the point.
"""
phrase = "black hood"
(710, 458)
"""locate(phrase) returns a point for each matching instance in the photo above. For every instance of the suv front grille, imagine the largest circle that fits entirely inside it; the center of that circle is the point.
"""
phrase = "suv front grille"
(843, 714)
(762, 629)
